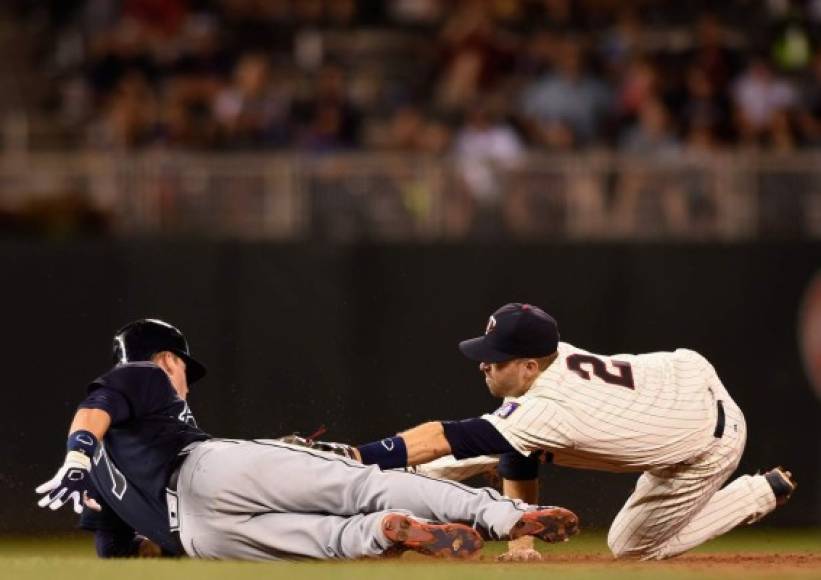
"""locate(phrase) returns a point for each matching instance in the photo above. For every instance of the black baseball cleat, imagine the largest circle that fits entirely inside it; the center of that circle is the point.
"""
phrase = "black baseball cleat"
(551, 524)
(782, 483)
(439, 540)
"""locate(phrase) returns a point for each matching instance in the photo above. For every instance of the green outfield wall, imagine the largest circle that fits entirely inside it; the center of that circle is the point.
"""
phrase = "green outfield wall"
(362, 338)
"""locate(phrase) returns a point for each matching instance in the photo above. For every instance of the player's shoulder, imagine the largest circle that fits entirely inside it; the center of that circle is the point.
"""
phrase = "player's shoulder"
(129, 375)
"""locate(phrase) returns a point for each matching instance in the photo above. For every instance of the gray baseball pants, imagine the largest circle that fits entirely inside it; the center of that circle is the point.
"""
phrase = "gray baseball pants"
(264, 499)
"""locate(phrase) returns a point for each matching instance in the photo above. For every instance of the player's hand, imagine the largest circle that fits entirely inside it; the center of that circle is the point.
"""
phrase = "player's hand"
(148, 549)
(520, 550)
(520, 555)
(90, 501)
(70, 482)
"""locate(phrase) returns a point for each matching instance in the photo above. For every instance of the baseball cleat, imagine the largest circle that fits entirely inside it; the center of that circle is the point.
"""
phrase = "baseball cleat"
(440, 540)
(782, 483)
(551, 524)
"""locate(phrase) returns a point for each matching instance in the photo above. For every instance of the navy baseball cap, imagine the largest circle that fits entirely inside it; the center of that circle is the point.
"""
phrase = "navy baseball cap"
(514, 331)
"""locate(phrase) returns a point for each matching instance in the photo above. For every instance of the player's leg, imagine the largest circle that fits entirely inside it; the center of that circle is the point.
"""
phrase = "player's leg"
(270, 476)
(285, 536)
(208, 533)
(746, 499)
(674, 510)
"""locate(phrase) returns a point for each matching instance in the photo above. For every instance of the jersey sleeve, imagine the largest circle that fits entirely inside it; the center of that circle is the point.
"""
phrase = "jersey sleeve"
(529, 424)
(104, 520)
(144, 386)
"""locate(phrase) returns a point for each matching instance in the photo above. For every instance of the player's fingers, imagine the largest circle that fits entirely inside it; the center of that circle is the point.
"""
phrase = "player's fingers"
(74, 496)
(57, 500)
(47, 486)
(528, 555)
(49, 497)
(44, 501)
(91, 503)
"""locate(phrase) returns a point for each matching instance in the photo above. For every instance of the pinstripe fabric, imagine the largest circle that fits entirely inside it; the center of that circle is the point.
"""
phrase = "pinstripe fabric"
(663, 426)
(675, 509)
(586, 422)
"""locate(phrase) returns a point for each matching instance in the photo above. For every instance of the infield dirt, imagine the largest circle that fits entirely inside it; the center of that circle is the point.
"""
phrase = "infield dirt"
(742, 555)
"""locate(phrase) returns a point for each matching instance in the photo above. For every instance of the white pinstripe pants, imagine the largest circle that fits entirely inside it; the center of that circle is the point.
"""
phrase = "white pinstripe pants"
(677, 508)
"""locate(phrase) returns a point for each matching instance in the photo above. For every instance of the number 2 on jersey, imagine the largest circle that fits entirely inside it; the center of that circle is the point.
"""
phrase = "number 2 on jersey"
(623, 377)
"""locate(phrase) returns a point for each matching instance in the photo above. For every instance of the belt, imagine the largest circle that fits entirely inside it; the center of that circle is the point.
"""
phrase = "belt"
(719, 431)
(173, 505)
(174, 478)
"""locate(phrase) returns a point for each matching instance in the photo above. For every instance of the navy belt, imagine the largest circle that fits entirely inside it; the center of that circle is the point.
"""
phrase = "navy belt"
(174, 478)
(173, 505)
(719, 431)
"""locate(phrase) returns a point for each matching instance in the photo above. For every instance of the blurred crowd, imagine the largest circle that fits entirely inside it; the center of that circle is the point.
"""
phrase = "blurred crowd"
(475, 77)
(482, 83)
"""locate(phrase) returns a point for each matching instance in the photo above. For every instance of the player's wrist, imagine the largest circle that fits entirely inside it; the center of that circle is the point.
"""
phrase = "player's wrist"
(82, 442)
(77, 459)
(388, 453)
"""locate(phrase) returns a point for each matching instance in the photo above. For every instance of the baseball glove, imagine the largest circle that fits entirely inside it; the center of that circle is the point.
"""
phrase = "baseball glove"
(342, 449)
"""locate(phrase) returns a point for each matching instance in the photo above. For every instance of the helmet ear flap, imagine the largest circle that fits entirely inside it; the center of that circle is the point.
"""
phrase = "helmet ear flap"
(120, 353)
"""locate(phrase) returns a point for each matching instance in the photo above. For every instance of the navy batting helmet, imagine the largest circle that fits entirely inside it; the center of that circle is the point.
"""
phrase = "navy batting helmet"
(142, 339)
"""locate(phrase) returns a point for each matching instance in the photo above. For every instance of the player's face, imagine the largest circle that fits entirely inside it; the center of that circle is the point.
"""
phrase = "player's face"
(178, 378)
(505, 379)
(174, 366)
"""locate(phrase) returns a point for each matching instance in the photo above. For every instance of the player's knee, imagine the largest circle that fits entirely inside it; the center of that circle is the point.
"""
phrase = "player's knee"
(615, 545)
(623, 548)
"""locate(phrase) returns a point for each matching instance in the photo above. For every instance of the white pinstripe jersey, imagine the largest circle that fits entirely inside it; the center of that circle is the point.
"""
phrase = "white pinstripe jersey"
(615, 413)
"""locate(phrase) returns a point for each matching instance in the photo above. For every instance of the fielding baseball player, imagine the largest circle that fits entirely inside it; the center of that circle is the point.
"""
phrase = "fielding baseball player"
(152, 480)
(665, 414)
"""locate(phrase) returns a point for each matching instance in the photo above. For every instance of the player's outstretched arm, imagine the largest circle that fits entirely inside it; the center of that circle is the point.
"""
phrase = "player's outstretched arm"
(72, 480)
(429, 441)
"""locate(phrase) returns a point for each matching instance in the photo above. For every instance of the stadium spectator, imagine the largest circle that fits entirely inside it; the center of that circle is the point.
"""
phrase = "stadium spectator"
(567, 106)
(486, 150)
(652, 133)
(761, 99)
(809, 116)
(327, 120)
(252, 111)
(129, 116)
(474, 55)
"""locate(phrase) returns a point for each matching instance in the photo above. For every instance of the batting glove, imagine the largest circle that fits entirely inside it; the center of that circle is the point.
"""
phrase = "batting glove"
(69, 483)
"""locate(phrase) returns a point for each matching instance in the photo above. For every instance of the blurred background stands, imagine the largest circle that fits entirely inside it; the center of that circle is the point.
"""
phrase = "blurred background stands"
(411, 119)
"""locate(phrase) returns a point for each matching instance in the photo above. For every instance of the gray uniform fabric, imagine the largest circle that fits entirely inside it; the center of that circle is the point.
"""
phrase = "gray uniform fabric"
(264, 499)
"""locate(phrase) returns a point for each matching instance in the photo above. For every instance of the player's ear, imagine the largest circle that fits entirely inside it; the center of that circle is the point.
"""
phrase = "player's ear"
(161, 359)
(532, 366)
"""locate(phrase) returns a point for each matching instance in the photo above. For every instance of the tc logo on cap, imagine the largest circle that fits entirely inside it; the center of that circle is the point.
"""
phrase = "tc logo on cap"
(491, 325)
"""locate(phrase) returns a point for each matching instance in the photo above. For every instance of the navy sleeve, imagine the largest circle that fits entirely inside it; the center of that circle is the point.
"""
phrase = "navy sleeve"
(113, 538)
(105, 519)
(144, 386)
(517, 467)
(110, 401)
(474, 437)
(116, 544)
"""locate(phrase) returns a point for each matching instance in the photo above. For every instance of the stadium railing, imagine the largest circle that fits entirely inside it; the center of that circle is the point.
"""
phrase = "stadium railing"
(597, 196)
